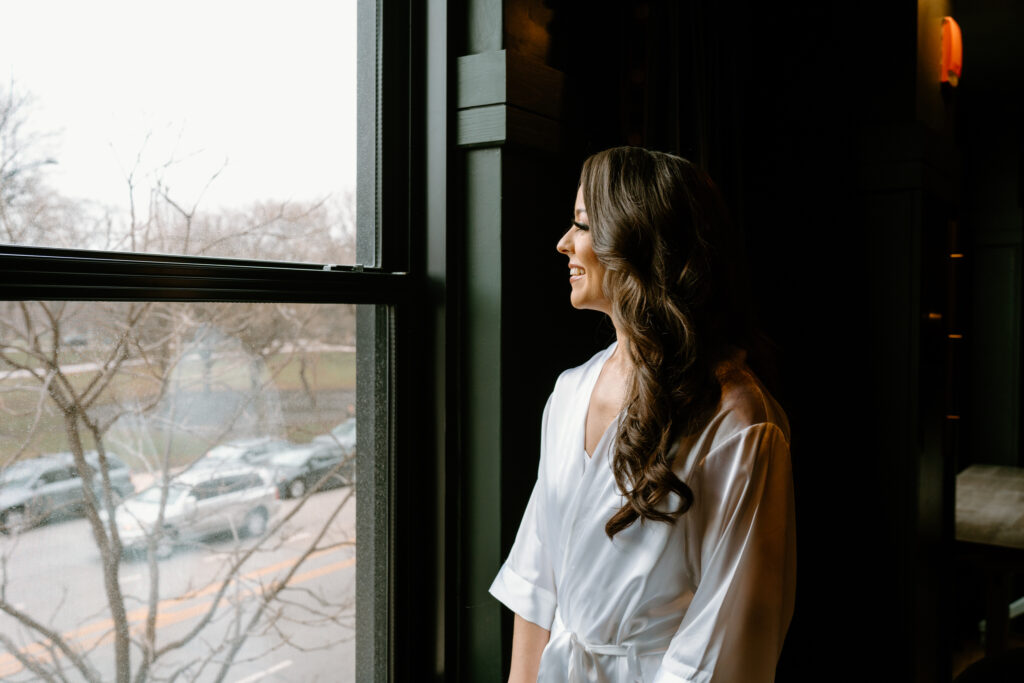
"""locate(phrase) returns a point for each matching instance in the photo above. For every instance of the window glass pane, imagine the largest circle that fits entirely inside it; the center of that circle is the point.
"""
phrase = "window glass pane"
(228, 431)
(204, 128)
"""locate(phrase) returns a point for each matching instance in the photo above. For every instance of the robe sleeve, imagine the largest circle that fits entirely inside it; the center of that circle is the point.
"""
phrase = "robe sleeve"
(734, 627)
(526, 583)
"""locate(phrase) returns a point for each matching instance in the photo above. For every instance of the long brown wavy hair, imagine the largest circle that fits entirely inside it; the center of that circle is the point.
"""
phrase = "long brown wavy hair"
(659, 227)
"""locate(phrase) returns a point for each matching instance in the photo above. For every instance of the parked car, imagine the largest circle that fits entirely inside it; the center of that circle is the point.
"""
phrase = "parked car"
(200, 504)
(343, 435)
(120, 475)
(300, 468)
(242, 452)
(48, 487)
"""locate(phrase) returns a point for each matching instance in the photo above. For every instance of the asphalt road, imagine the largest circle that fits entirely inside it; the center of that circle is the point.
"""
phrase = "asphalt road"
(53, 573)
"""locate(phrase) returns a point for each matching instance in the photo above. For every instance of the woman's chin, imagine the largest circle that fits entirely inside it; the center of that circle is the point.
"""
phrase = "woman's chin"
(581, 304)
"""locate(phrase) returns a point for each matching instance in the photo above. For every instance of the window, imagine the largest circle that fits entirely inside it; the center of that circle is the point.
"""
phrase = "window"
(241, 144)
(165, 296)
(54, 476)
(208, 489)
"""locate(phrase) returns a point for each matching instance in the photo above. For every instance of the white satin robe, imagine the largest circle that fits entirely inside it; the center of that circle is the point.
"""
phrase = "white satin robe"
(708, 598)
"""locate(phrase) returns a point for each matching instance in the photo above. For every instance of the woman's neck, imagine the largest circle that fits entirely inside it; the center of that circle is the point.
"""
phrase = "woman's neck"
(621, 354)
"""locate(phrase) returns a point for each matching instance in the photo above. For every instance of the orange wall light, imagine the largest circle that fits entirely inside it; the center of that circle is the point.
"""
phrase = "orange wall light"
(952, 52)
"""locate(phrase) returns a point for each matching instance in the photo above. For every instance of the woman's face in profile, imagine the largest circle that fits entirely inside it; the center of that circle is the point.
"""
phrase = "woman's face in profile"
(585, 272)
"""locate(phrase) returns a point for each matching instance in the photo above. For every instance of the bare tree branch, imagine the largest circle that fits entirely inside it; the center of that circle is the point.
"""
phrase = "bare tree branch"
(136, 364)
(49, 634)
(276, 588)
(29, 663)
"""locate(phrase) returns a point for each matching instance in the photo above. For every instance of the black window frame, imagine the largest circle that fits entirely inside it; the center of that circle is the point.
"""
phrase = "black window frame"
(388, 282)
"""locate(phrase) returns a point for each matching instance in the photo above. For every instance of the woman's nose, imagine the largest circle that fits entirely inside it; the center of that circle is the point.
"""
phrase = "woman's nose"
(565, 243)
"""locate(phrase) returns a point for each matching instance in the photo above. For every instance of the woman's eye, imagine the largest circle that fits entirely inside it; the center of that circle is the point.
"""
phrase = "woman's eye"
(581, 226)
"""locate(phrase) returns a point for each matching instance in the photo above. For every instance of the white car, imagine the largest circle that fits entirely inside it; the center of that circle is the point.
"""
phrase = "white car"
(200, 503)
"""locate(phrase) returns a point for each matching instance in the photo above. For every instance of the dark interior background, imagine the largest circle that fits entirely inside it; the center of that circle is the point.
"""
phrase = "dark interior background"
(853, 176)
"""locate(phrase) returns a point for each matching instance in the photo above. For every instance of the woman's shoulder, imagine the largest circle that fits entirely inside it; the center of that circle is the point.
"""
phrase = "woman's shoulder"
(573, 380)
(745, 403)
(746, 418)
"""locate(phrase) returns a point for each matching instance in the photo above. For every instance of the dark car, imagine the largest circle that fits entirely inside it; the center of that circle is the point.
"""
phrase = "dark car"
(48, 487)
(344, 435)
(301, 468)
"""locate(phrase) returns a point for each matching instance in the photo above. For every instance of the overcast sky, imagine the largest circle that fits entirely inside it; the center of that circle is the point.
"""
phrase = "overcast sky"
(267, 87)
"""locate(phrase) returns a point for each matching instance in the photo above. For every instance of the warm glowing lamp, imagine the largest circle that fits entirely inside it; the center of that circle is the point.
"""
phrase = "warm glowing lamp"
(952, 52)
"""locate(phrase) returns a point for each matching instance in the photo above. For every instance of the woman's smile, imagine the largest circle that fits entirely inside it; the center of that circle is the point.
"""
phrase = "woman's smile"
(587, 291)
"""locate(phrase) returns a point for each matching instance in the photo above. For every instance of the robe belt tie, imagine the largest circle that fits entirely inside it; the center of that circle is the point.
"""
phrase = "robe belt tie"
(580, 650)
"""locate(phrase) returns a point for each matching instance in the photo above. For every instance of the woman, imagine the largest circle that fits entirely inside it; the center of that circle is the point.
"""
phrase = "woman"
(658, 543)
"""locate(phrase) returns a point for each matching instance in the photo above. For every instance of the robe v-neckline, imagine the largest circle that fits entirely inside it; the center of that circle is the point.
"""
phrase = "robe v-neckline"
(586, 413)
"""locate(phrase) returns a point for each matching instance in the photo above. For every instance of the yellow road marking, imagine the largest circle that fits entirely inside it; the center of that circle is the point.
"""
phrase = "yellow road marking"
(10, 665)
